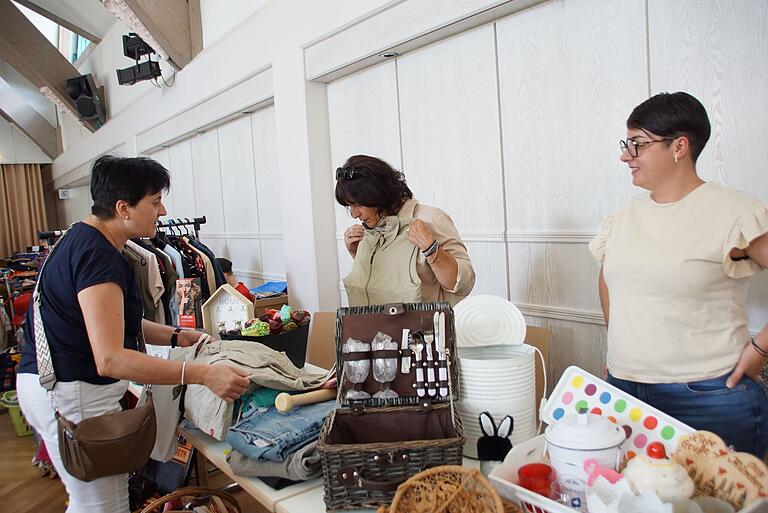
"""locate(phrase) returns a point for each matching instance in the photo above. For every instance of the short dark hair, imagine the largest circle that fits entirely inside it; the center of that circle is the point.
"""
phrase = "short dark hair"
(124, 178)
(225, 264)
(371, 182)
(673, 115)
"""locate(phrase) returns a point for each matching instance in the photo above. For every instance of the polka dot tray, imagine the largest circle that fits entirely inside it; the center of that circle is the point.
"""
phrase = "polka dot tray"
(578, 389)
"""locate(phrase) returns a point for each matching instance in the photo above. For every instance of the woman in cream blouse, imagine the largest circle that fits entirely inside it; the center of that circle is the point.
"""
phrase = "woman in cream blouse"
(673, 284)
(404, 251)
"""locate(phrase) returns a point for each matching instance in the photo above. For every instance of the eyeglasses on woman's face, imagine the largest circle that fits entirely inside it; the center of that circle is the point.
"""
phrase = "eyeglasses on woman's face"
(633, 147)
(347, 172)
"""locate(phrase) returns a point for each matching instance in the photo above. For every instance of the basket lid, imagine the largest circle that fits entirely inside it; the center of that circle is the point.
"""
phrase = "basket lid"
(413, 344)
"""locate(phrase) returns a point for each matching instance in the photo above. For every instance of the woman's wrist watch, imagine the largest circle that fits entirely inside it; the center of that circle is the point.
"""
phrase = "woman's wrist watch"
(175, 337)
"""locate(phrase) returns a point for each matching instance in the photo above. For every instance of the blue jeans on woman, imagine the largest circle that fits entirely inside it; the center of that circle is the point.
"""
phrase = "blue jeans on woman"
(739, 415)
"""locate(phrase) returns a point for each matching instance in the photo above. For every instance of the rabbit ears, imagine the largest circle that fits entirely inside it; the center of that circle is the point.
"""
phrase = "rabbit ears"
(489, 428)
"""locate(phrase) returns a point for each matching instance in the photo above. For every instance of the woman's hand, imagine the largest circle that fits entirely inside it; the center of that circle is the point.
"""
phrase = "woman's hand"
(750, 364)
(229, 383)
(420, 234)
(352, 237)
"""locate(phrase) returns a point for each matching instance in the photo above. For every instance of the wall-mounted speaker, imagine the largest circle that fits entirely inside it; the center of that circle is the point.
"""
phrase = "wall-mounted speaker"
(84, 93)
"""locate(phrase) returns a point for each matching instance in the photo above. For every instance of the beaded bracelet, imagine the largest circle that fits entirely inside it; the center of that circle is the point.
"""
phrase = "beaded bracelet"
(431, 249)
(762, 352)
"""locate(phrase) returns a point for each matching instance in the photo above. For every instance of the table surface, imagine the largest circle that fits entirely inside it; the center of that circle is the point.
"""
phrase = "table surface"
(306, 497)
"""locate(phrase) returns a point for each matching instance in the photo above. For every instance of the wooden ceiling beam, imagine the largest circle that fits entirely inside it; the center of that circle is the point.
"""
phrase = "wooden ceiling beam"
(172, 23)
(24, 48)
(14, 108)
(32, 6)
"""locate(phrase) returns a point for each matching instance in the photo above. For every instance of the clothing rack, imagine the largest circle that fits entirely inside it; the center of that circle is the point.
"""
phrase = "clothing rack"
(50, 237)
(173, 223)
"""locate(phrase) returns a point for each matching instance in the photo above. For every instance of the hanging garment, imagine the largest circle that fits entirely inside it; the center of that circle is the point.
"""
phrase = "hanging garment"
(218, 273)
(210, 277)
(139, 265)
(384, 270)
(194, 265)
(167, 274)
(154, 280)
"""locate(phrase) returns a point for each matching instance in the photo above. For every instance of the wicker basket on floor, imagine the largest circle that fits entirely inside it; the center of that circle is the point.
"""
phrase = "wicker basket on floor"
(215, 500)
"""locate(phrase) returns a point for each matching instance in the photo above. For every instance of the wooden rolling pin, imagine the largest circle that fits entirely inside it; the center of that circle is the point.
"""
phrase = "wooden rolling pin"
(286, 402)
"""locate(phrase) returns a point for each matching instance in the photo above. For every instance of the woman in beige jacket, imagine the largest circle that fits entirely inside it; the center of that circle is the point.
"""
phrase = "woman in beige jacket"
(403, 251)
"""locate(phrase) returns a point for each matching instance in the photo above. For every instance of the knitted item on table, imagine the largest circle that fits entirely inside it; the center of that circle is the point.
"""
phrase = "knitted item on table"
(256, 329)
(446, 489)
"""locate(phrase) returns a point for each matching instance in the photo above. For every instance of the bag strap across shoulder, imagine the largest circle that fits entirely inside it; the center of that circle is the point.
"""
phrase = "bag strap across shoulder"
(42, 350)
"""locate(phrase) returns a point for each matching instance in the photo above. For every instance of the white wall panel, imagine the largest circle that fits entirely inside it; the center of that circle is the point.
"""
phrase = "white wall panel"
(560, 275)
(76, 208)
(183, 181)
(218, 246)
(7, 153)
(450, 129)
(207, 176)
(163, 157)
(273, 263)
(24, 150)
(245, 254)
(758, 302)
(268, 193)
(721, 57)
(569, 74)
(489, 262)
(238, 179)
(363, 118)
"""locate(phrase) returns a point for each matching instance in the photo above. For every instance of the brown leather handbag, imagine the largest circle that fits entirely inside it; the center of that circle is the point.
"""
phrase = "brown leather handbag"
(106, 445)
(109, 444)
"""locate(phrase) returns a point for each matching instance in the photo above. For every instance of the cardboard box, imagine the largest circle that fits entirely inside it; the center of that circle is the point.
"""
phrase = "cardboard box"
(262, 305)
(322, 340)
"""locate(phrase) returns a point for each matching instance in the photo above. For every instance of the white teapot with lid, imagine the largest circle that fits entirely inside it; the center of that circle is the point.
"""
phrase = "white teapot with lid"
(576, 438)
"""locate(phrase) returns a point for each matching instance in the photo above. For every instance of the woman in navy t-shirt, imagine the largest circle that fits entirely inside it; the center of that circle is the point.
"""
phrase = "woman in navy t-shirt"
(91, 311)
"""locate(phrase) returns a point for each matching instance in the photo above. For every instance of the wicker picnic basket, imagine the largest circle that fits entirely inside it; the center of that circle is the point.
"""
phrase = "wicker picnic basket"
(369, 447)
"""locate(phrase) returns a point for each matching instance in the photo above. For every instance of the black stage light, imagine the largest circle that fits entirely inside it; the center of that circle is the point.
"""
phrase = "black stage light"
(134, 47)
(84, 93)
(144, 71)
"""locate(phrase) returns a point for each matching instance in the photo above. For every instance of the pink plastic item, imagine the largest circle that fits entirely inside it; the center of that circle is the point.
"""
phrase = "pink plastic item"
(594, 470)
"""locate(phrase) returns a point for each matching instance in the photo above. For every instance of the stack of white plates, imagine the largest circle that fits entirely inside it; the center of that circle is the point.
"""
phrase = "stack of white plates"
(501, 381)
(496, 370)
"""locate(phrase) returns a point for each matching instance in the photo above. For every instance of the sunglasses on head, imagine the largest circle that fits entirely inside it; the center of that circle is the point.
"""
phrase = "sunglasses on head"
(347, 172)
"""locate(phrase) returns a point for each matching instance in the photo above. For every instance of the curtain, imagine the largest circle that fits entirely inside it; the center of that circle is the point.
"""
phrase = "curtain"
(22, 208)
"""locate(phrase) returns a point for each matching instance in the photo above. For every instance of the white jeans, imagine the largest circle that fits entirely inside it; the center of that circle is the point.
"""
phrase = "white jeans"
(76, 400)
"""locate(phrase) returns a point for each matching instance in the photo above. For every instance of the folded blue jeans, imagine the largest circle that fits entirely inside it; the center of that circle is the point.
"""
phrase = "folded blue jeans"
(267, 434)
(739, 415)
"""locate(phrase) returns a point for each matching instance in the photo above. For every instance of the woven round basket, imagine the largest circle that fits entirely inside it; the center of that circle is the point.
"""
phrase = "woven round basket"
(215, 500)
(446, 489)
